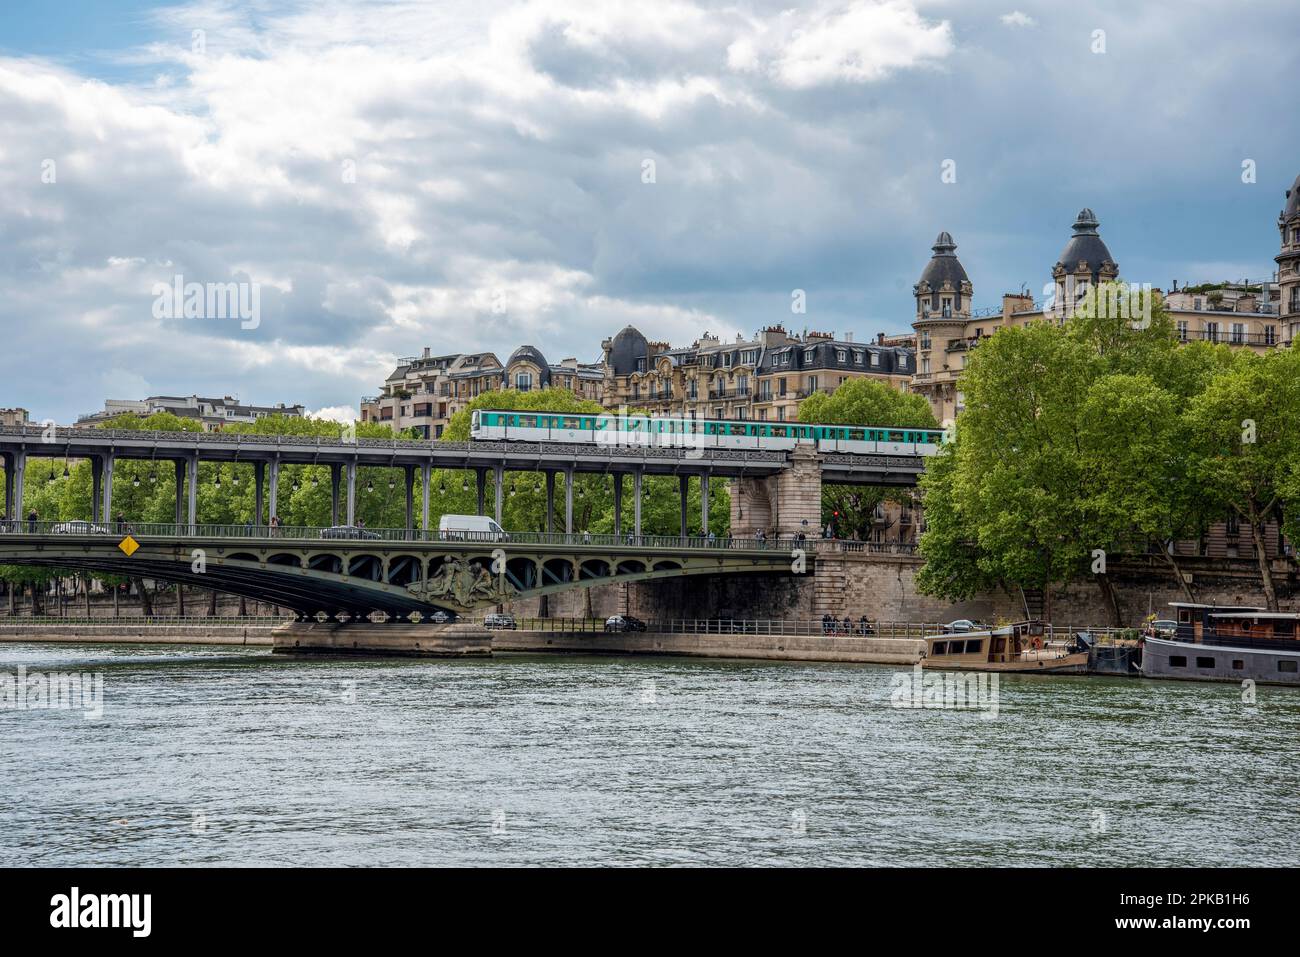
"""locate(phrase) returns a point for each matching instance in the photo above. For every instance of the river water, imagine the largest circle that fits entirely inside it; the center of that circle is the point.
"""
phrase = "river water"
(214, 756)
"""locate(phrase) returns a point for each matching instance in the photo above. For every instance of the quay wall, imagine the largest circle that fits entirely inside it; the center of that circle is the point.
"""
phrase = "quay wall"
(139, 633)
(899, 651)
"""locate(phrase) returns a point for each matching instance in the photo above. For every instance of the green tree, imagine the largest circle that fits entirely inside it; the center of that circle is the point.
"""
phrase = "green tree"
(1246, 445)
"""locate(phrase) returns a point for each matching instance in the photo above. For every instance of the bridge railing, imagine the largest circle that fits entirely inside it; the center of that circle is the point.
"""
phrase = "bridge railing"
(282, 533)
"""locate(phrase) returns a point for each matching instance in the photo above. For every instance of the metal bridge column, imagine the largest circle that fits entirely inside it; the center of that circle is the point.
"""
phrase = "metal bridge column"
(259, 479)
(480, 487)
(704, 504)
(19, 462)
(96, 488)
(352, 492)
(192, 480)
(410, 496)
(335, 479)
(684, 483)
(178, 465)
(108, 487)
(9, 485)
(273, 492)
(550, 502)
(568, 502)
(636, 505)
(498, 481)
(618, 503)
(426, 476)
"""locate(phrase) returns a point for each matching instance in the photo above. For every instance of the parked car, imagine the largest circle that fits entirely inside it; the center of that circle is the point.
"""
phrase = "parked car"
(79, 528)
(622, 623)
(347, 531)
(441, 617)
(500, 621)
(470, 528)
(962, 625)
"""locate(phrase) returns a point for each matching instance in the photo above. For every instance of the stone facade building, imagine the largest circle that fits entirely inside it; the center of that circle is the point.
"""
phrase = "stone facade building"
(213, 413)
(15, 416)
(1256, 315)
(764, 378)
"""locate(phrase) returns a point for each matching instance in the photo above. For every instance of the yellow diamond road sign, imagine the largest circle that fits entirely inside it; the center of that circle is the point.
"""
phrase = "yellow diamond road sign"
(128, 545)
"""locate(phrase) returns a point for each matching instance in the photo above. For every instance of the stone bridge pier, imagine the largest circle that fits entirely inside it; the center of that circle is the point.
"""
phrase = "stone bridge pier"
(787, 503)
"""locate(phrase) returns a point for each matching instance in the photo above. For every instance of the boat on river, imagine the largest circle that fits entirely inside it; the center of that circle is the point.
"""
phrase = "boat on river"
(1226, 643)
(1018, 647)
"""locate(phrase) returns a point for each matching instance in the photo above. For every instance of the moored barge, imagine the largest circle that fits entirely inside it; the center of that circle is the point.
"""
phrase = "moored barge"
(1226, 643)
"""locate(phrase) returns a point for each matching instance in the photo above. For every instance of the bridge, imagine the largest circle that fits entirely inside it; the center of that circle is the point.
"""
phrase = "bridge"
(773, 490)
(399, 571)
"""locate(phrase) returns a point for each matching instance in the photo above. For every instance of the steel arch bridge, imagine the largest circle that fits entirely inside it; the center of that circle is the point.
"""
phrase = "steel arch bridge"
(398, 572)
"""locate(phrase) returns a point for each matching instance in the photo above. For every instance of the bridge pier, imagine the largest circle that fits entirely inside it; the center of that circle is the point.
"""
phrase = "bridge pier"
(273, 492)
(259, 479)
(352, 492)
(480, 488)
(108, 489)
(498, 490)
(781, 503)
(96, 489)
(568, 502)
(192, 483)
(637, 478)
(336, 478)
(15, 474)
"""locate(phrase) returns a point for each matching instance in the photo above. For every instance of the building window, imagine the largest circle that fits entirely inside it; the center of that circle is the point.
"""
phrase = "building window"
(640, 365)
(1212, 331)
(780, 386)
(841, 355)
(1270, 335)
(1182, 330)
(749, 357)
(524, 381)
(925, 366)
(809, 355)
(875, 359)
(946, 307)
(902, 361)
(1238, 333)
(812, 383)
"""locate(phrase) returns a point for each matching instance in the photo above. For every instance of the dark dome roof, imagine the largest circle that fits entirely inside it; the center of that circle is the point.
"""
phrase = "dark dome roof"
(532, 354)
(944, 265)
(628, 347)
(1085, 245)
(1292, 200)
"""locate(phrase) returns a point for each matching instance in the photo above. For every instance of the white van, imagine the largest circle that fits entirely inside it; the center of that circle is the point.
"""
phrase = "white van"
(470, 528)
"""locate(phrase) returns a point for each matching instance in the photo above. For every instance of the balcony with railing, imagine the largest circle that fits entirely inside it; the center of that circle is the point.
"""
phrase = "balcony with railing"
(1229, 337)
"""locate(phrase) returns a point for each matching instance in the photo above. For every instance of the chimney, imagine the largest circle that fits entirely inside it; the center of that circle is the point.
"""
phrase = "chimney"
(848, 337)
(426, 352)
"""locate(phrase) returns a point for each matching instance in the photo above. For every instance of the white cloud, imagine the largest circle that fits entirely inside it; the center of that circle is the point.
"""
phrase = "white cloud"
(1017, 19)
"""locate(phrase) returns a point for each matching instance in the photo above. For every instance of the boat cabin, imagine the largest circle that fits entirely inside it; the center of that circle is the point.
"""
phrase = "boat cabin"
(974, 648)
(1194, 619)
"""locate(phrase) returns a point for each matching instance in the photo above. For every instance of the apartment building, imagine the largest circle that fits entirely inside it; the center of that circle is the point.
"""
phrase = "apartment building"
(14, 416)
(762, 378)
(213, 413)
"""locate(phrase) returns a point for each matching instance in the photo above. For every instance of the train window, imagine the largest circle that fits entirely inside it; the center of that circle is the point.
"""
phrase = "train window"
(570, 422)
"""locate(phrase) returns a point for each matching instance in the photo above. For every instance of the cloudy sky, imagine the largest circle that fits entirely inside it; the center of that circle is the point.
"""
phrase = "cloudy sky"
(477, 175)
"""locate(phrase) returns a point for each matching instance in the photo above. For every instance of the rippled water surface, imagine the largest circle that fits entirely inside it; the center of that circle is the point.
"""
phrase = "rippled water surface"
(221, 756)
